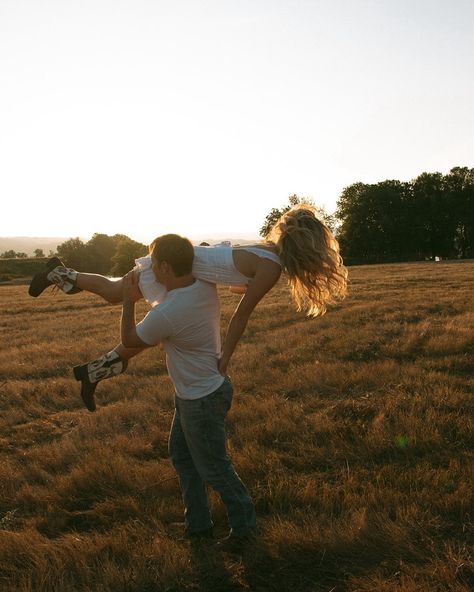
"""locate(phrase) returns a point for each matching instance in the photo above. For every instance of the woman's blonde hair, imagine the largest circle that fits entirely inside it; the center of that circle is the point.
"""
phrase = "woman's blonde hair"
(310, 257)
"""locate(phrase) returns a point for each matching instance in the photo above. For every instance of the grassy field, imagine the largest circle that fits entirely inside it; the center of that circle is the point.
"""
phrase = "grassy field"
(352, 431)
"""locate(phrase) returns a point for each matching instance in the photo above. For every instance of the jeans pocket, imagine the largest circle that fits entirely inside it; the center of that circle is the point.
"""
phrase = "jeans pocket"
(219, 401)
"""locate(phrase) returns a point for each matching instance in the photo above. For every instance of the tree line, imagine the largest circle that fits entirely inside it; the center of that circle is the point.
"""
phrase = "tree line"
(104, 254)
(108, 255)
(431, 216)
(12, 254)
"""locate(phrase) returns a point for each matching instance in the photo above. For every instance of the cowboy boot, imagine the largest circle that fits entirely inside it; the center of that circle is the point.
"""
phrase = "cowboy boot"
(92, 373)
(55, 274)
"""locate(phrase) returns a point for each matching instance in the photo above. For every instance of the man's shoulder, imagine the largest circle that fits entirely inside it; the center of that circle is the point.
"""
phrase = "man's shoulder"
(198, 291)
(197, 287)
(205, 286)
(184, 308)
(206, 292)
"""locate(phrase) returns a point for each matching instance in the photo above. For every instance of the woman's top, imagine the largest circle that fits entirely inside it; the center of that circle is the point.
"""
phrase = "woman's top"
(211, 264)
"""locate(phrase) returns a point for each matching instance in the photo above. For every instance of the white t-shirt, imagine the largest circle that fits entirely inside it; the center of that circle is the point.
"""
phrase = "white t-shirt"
(187, 323)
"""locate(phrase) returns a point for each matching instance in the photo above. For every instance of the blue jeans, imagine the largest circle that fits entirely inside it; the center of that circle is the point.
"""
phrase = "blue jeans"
(197, 446)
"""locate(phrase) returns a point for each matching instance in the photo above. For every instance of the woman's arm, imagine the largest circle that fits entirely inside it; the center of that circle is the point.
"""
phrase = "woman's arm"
(267, 275)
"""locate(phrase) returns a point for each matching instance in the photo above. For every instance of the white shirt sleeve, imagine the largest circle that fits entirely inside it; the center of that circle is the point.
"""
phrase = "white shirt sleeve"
(154, 328)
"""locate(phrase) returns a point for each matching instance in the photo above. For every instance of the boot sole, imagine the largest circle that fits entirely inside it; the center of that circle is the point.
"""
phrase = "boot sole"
(87, 387)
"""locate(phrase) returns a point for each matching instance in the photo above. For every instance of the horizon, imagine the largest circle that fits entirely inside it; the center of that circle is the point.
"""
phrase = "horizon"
(28, 244)
(142, 118)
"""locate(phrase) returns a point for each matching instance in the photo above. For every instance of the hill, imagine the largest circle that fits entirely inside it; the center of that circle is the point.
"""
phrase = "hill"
(28, 244)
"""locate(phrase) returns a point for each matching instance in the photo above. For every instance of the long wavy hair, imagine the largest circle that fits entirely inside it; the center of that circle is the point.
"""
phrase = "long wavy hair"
(310, 257)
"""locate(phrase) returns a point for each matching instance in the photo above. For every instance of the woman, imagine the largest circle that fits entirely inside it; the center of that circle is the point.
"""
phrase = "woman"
(299, 244)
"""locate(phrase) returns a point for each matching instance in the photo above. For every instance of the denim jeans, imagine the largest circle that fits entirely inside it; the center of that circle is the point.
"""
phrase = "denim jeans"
(197, 446)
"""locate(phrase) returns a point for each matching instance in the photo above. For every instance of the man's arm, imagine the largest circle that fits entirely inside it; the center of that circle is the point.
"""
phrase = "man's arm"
(128, 332)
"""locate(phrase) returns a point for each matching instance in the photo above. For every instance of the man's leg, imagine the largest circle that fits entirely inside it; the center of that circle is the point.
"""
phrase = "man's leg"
(193, 489)
(203, 424)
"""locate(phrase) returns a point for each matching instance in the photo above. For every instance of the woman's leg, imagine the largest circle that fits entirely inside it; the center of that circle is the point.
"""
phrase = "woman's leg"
(110, 364)
(109, 289)
(70, 281)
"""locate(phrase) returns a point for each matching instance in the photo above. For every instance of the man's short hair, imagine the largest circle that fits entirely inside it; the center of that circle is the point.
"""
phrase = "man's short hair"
(176, 250)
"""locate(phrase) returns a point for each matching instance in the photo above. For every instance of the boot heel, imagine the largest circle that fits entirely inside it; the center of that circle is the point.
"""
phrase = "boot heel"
(92, 373)
(80, 372)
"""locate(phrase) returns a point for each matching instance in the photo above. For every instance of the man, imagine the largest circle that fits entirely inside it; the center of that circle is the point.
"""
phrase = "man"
(186, 323)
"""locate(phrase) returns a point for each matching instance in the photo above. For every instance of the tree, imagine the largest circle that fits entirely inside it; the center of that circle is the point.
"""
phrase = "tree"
(101, 254)
(353, 212)
(124, 259)
(74, 254)
(375, 222)
(435, 215)
(100, 250)
(11, 254)
(394, 201)
(38, 253)
(275, 214)
(459, 184)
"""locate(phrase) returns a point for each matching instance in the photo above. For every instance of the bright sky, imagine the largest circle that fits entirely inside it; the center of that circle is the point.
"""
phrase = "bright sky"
(198, 116)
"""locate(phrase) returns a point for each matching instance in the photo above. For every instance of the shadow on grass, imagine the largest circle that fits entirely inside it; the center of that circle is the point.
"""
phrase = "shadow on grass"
(213, 572)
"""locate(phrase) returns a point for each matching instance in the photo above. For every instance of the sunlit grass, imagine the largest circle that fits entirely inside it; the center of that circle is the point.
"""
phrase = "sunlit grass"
(353, 432)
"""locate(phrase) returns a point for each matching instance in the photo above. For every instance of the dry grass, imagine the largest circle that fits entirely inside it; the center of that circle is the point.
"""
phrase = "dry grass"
(353, 432)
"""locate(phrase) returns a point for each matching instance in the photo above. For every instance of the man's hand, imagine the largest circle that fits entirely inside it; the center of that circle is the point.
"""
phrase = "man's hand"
(131, 291)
